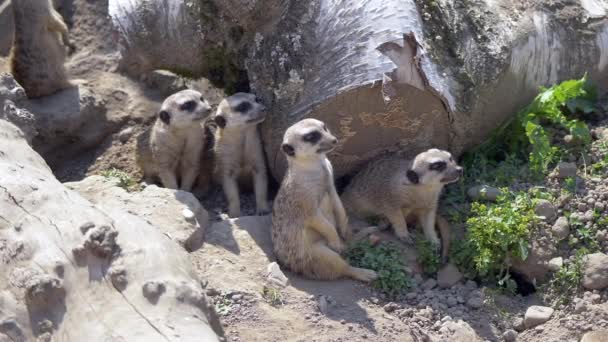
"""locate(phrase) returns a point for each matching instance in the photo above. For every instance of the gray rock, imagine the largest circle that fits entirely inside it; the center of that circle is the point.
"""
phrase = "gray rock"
(323, 305)
(536, 315)
(595, 336)
(561, 228)
(390, 307)
(565, 170)
(595, 271)
(275, 275)
(556, 263)
(429, 284)
(125, 134)
(518, 324)
(165, 82)
(546, 209)
(580, 307)
(483, 192)
(448, 276)
(475, 302)
(509, 335)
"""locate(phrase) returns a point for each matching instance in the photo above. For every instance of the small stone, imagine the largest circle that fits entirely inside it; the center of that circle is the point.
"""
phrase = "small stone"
(429, 284)
(475, 302)
(212, 292)
(518, 324)
(595, 271)
(536, 315)
(189, 215)
(582, 207)
(84, 228)
(565, 170)
(509, 335)
(275, 275)
(561, 228)
(483, 192)
(546, 209)
(448, 276)
(125, 135)
(470, 284)
(390, 307)
(451, 301)
(601, 206)
(580, 307)
(555, 264)
(323, 305)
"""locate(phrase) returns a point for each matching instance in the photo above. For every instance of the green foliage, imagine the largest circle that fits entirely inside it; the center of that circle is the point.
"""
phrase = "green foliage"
(272, 296)
(567, 281)
(582, 236)
(428, 256)
(125, 181)
(496, 232)
(386, 260)
(570, 185)
(526, 132)
(223, 306)
(601, 167)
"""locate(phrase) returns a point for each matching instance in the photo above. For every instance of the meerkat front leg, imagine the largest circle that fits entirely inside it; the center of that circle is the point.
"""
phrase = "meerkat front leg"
(231, 191)
(397, 220)
(167, 178)
(427, 219)
(190, 163)
(260, 187)
(321, 225)
(340, 214)
(56, 23)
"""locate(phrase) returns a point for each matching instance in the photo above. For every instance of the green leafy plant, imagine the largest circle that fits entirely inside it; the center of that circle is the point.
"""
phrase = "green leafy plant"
(428, 256)
(272, 296)
(601, 167)
(496, 232)
(223, 305)
(582, 235)
(125, 181)
(570, 185)
(567, 281)
(386, 260)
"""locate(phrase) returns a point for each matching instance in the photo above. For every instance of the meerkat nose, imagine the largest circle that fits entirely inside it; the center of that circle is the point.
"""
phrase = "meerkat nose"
(335, 141)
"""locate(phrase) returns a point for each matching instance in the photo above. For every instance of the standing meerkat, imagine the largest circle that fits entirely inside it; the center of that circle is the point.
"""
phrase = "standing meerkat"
(39, 48)
(171, 149)
(397, 189)
(308, 217)
(238, 151)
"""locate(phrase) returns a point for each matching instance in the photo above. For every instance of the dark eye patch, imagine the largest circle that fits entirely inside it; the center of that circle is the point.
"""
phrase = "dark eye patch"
(312, 137)
(243, 107)
(438, 166)
(188, 106)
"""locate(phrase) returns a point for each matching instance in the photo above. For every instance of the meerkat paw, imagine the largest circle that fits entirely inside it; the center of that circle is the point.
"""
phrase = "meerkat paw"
(337, 246)
(363, 274)
(405, 237)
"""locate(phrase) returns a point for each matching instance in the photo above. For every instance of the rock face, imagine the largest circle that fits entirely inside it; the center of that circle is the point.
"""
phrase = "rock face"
(364, 68)
(536, 315)
(62, 255)
(595, 271)
(163, 208)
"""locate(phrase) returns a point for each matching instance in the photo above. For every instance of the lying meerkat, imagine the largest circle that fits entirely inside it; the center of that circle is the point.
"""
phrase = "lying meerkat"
(397, 189)
(307, 214)
(171, 149)
(238, 151)
(39, 48)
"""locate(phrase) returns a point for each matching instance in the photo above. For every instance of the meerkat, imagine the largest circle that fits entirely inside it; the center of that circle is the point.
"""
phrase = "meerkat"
(307, 216)
(171, 149)
(238, 151)
(397, 189)
(39, 48)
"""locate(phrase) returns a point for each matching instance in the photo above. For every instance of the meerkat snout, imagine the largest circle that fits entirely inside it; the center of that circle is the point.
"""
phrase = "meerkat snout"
(433, 167)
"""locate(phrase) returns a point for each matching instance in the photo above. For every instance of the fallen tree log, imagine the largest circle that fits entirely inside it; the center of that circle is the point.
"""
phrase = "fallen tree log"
(72, 271)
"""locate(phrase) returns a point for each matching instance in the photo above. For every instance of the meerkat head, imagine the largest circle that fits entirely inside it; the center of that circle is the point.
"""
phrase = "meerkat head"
(434, 167)
(308, 138)
(183, 108)
(239, 110)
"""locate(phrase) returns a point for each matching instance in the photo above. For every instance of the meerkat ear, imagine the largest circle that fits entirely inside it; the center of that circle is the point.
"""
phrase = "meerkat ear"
(288, 150)
(164, 116)
(220, 121)
(412, 176)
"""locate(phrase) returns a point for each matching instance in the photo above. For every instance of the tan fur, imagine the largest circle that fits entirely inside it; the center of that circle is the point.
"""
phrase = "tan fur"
(382, 188)
(239, 156)
(308, 217)
(39, 48)
(172, 152)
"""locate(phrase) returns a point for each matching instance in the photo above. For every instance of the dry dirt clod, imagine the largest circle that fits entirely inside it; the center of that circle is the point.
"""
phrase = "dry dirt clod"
(536, 315)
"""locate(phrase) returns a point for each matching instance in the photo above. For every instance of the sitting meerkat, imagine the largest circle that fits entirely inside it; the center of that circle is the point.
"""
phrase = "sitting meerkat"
(307, 214)
(171, 149)
(39, 48)
(397, 189)
(238, 151)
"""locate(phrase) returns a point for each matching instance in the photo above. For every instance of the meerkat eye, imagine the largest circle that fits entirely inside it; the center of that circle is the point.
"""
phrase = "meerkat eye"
(438, 166)
(202, 99)
(188, 106)
(312, 137)
(243, 107)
